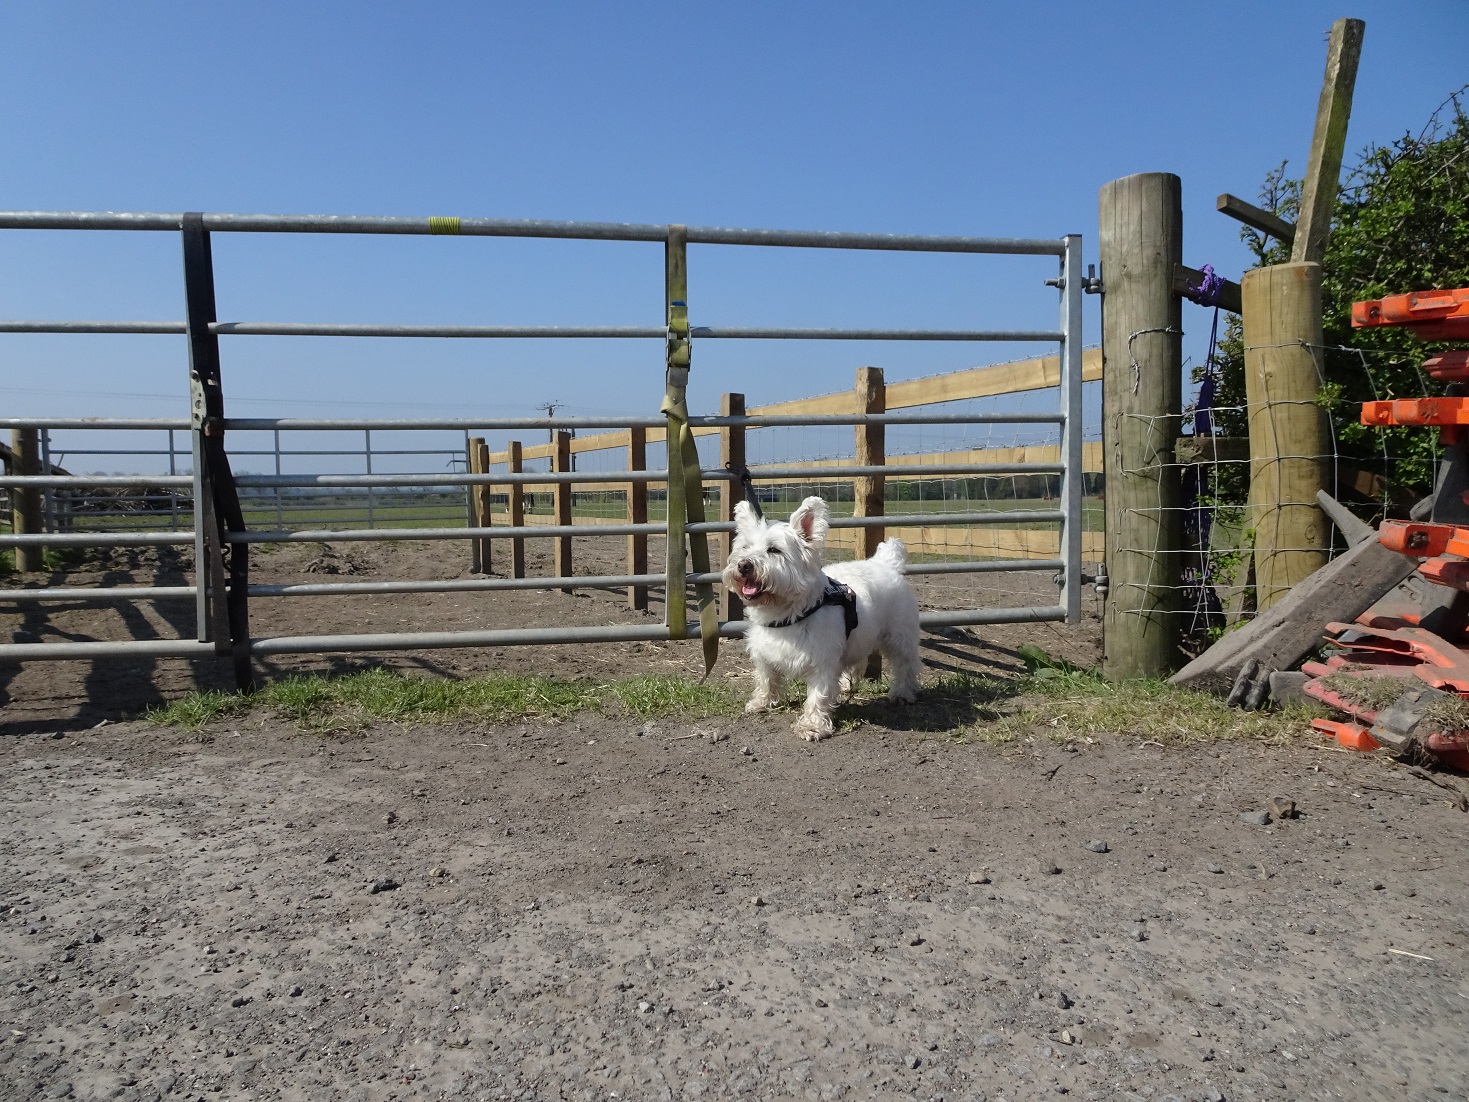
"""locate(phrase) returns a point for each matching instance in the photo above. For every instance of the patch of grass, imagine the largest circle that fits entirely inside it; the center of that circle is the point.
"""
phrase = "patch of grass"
(343, 703)
(198, 709)
(1371, 691)
(1066, 704)
(1448, 714)
(656, 695)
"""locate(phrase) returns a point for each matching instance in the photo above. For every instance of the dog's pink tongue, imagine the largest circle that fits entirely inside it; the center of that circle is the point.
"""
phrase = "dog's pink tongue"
(749, 589)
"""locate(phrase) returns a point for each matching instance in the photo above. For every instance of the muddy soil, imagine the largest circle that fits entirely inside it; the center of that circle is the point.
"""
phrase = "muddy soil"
(606, 909)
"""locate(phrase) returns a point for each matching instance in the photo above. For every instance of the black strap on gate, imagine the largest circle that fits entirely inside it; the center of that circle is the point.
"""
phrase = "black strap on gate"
(222, 511)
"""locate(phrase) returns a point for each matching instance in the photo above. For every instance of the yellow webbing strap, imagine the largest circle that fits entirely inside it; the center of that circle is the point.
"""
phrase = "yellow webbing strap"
(685, 484)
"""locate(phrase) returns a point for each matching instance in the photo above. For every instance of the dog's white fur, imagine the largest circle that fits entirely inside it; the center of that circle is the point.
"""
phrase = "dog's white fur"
(777, 570)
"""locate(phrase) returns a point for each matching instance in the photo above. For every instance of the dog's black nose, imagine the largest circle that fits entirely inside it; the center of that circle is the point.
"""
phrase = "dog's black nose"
(744, 570)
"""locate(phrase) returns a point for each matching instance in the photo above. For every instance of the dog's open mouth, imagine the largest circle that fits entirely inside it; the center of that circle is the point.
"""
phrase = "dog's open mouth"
(751, 591)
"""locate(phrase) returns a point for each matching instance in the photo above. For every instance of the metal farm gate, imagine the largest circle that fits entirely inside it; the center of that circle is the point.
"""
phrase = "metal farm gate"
(208, 498)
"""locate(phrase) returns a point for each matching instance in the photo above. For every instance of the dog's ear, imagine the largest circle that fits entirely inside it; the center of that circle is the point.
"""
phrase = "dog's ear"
(809, 521)
(744, 517)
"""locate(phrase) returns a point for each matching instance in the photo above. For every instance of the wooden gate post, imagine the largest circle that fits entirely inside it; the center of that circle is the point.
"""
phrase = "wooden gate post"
(1289, 439)
(472, 465)
(25, 504)
(482, 499)
(637, 513)
(1140, 247)
(868, 491)
(562, 492)
(516, 506)
(732, 457)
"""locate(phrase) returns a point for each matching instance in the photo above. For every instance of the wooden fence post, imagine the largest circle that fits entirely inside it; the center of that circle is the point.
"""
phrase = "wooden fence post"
(1289, 440)
(25, 504)
(637, 513)
(732, 456)
(1140, 248)
(516, 507)
(482, 502)
(562, 494)
(868, 491)
(472, 465)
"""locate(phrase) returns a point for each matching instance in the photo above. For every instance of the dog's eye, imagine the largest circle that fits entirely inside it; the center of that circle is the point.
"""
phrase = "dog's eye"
(776, 551)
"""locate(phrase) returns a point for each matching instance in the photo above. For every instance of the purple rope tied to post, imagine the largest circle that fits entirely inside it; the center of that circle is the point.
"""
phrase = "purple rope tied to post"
(1207, 292)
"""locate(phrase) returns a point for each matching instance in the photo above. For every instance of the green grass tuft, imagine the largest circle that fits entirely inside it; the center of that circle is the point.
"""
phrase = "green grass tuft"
(657, 695)
(198, 709)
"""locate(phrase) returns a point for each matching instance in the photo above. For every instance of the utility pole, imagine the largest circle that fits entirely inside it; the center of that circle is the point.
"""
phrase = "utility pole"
(551, 408)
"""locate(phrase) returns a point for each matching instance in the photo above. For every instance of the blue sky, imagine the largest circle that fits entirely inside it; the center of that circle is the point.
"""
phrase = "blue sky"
(946, 118)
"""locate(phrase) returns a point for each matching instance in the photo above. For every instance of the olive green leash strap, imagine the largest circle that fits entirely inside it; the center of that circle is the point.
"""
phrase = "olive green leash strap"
(685, 482)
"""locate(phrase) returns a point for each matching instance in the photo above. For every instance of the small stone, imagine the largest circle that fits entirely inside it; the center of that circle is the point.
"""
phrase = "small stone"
(438, 872)
(386, 884)
(240, 1000)
(644, 1007)
(1284, 808)
(746, 751)
(1194, 1033)
(979, 878)
(296, 990)
(1049, 868)
(1096, 845)
(1066, 1037)
(1138, 934)
(1378, 885)
(1216, 869)
(331, 858)
(1214, 1094)
(757, 900)
(210, 950)
(913, 1061)
(1063, 1000)
(1255, 818)
(390, 818)
(820, 1003)
(559, 761)
(915, 940)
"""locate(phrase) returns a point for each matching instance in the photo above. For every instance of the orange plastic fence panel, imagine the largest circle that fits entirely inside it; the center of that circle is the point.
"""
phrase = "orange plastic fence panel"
(1417, 411)
(1414, 308)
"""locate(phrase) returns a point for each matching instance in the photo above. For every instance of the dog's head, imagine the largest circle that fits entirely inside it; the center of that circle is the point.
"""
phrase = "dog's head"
(777, 563)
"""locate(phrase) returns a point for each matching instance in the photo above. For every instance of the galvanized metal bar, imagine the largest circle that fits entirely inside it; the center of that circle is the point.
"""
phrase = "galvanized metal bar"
(454, 423)
(135, 648)
(833, 473)
(360, 535)
(985, 566)
(62, 482)
(514, 227)
(94, 423)
(803, 420)
(529, 332)
(757, 333)
(442, 640)
(455, 480)
(455, 585)
(97, 539)
(1072, 479)
(961, 617)
(917, 520)
(115, 594)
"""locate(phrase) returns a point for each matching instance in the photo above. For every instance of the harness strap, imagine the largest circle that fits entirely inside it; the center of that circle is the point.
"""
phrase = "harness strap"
(835, 593)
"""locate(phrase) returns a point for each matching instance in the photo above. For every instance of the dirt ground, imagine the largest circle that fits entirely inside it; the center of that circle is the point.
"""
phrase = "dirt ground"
(604, 909)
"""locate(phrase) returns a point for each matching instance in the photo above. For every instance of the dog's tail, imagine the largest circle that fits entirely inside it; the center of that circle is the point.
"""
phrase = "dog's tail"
(893, 552)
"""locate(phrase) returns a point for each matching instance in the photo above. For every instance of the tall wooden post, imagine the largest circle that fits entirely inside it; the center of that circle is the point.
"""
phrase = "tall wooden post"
(637, 513)
(562, 464)
(1140, 247)
(732, 457)
(475, 462)
(482, 507)
(1328, 141)
(1289, 439)
(514, 465)
(25, 504)
(868, 491)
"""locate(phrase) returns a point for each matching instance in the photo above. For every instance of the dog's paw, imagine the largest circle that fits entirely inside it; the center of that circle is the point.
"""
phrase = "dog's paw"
(758, 704)
(907, 697)
(814, 728)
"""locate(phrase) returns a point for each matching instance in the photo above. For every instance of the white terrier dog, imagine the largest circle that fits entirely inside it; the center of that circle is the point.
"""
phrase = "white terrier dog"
(819, 624)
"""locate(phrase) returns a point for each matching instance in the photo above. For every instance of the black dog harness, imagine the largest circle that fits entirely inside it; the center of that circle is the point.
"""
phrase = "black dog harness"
(835, 593)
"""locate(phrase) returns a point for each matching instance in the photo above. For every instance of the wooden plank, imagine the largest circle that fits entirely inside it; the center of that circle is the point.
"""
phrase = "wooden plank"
(25, 502)
(975, 382)
(1185, 279)
(1328, 142)
(1140, 243)
(471, 464)
(1289, 437)
(562, 497)
(1353, 528)
(517, 510)
(870, 396)
(637, 513)
(1211, 449)
(1256, 218)
(732, 457)
(1281, 637)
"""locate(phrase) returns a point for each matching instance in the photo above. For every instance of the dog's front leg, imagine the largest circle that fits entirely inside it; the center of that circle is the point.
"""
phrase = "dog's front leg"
(823, 689)
(769, 684)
